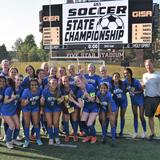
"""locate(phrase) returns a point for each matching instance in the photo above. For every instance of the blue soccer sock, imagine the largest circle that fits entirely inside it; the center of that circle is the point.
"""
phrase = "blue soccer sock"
(75, 127)
(16, 133)
(45, 124)
(107, 124)
(66, 127)
(32, 130)
(136, 125)
(104, 132)
(113, 133)
(26, 133)
(37, 130)
(122, 125)
(80, 126)
(56, 132)
(9, 135)
(144, 125)
(92, 131)
(23, 124)
(5, 127)
(50, 132)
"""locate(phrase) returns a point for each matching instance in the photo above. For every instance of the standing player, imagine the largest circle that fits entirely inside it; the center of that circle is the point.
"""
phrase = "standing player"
(70, 110)
(50, 101)
(107, 106)
(119, 95)
(91, 77)
(9, 111)
(30, 107)
(151, 84)
(86, 99)
(137, 100)
(2, 89)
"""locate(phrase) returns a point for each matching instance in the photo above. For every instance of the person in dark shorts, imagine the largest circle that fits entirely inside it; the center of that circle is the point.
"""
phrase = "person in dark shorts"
(151, 84)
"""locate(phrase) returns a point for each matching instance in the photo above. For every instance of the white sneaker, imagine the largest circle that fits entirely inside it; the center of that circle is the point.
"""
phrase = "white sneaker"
(19, 138)
(4, 138)
(9, 145)
(57, 140)
(51, 142)
(17, 143)
(135, 135)
(144, 135)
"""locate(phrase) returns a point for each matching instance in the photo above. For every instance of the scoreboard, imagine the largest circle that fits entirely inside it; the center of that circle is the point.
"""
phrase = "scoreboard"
(93, 25)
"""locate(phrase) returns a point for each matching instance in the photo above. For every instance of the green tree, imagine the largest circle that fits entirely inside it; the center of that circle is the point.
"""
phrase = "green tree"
(4, 54)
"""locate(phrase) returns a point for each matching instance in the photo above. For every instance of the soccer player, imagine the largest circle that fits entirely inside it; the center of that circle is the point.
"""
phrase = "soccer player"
(2, 89)
(31, 74)
(9, 111)
(70, 110)
(30, 102)
(118, 91)
(51, 104)
(91, 77)
(86, 100)
(135, 90)
(107, 106)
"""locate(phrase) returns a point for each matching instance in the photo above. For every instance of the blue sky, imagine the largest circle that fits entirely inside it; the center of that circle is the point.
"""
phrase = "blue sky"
(19, 18)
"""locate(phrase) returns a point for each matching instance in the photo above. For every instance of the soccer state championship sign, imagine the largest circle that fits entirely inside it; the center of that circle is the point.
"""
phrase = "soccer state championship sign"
(105, 22)
(96, 25)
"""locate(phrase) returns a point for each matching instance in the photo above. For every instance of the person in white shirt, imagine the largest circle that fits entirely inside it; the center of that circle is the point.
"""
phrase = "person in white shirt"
(151, 84)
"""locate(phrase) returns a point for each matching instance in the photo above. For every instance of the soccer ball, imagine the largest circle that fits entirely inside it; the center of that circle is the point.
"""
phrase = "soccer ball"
(111, 22)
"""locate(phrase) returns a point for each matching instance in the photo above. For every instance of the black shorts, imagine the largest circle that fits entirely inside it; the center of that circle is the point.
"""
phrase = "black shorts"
(150, 105)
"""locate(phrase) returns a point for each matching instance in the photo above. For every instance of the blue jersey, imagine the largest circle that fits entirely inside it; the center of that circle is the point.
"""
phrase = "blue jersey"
(71, 80)
(119, 95)
(2, 90)
(93, 79)
(72, 90)
(33, 98)
(105, 101)
(138, 98)
(4, 74)
(50, 99)
(25, 82)
(11, 107)
(91, 91)
(107, 80)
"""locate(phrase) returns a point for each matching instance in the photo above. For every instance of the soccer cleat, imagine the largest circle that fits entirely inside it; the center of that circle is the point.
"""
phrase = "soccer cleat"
(9, 145)
(81, 133)
(75, 138)
(17, 143)
(86, 139)
(66, 139)
(39, 142)
(152, 136)
(57, 140)
(144, 135)
(51, 142)
(32, 138)
(103, 140)
(19, 138)
(120, 134)
(4, 138)
(135, 135)
(93, 140)
(25, 144)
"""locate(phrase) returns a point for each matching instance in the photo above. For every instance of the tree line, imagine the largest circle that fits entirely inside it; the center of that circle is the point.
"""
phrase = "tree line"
(24, 50)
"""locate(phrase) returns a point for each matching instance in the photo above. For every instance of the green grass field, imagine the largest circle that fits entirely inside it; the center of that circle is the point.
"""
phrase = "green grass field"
(126, 149)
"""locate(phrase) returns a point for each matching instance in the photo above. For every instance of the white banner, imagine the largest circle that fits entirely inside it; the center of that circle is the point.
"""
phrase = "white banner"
(95, 22)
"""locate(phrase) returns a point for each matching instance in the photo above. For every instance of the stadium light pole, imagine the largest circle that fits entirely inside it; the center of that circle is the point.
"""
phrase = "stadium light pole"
(50, 47)
(98, 34)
